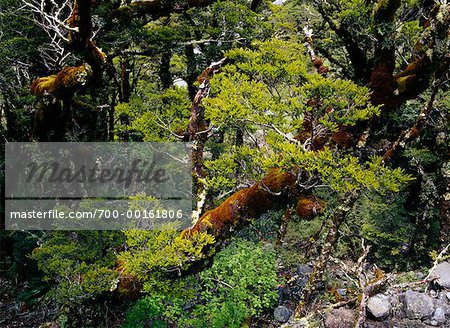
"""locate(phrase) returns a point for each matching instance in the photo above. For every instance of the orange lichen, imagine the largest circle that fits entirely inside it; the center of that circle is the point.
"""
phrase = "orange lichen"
(206, 74)
(323, 70)
(246, 204)
(414, 132)
(342, 138)
(129, 286)
(309, 207)
(317, 62)
(43, 85)
(388, 154)
(62, 84)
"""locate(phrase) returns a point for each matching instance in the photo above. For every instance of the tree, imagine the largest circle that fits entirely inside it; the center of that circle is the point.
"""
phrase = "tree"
(321, 111)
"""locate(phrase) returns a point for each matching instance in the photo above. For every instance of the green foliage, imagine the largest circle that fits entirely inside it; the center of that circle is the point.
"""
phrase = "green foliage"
(154, 115)
(80, 264)
(268, 88)
(149, 249)
(386, 225)
(235, 165)
(241, 283)
(144, 313)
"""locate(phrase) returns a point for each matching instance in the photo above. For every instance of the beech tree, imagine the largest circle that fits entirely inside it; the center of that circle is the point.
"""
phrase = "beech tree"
(332, 115)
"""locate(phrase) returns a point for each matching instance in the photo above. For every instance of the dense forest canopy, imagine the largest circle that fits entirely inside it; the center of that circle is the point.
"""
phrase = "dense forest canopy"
(320, 136)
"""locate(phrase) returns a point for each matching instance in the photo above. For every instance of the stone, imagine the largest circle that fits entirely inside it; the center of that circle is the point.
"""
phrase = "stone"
(448, 295)
(379, 306)
(439, 316)
(304, 270)
(408, 323)
(282, 314)
(340, 318)
(442, 271)
(418, 305)
(301, 282)
(342, 292)
(442, 302)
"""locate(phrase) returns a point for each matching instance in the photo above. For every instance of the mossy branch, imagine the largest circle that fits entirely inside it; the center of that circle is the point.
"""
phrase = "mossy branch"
(63, 84)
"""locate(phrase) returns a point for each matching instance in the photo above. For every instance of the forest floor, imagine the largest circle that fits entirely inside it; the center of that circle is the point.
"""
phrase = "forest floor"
(18, 314)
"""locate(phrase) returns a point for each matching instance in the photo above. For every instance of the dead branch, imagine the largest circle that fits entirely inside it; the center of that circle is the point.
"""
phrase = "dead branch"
(198, 133)
(52, 18)
(317, 62)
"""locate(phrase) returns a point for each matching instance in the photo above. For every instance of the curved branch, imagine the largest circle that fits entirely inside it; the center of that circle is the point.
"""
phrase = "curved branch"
(244, 205)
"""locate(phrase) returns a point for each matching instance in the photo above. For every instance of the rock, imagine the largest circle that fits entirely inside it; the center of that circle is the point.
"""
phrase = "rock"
(378, 324)
(443, 272)
(379, 306)
(304, 270)
(340, 318)
(282, 314)
(342, 292)
(408, 323)
(448, 295)
(418, 305)
(301, 282)
(442, 302)
(438, 316)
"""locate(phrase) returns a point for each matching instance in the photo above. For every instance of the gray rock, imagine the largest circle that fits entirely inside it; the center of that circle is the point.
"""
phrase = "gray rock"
(301, 282)
(442, 302)
(408, 323)
(418, 305)
(340, 318)
(448, 295)
(304, 270)
(282, 314)
(379, 306)
(439, 316)
(342, 292)
(443, 272)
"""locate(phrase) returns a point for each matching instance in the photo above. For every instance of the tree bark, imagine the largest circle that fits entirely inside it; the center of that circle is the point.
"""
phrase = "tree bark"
(246, 204)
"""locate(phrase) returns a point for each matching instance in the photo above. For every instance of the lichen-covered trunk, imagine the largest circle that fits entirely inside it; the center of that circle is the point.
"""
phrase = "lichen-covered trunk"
(246, 204)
